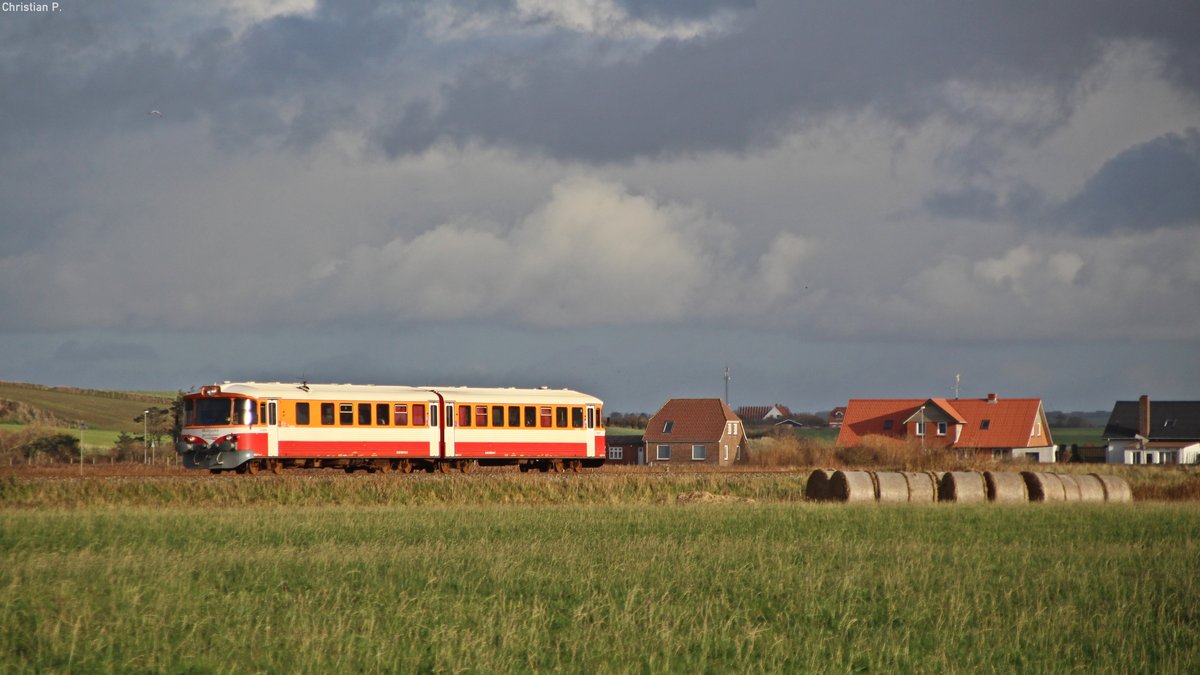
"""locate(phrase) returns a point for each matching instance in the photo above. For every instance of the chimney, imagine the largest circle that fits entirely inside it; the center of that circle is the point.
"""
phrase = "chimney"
(991, 398)
(1144, 416)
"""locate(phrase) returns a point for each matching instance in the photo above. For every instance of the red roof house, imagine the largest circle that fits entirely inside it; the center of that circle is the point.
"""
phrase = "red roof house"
(1013, 428)
(688, 430)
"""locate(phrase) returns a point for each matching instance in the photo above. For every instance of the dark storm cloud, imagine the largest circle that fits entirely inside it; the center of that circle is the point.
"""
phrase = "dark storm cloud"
(785, 63)
(1153, 185)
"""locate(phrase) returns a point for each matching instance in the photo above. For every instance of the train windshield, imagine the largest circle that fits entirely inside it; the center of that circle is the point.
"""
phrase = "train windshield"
(216, 412)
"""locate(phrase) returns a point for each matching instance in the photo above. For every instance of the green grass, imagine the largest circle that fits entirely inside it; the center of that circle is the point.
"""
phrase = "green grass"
(598, 587)
(1078, 435)
(107, 410)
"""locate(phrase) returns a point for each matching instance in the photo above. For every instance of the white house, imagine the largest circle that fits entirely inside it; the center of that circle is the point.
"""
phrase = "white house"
(1165, 432)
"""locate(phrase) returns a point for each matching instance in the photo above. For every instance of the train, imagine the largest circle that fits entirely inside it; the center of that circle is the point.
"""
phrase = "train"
(247, 427)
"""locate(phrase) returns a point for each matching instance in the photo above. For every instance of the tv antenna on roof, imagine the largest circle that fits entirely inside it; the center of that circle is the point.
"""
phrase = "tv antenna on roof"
(727, 378)
(956, 379)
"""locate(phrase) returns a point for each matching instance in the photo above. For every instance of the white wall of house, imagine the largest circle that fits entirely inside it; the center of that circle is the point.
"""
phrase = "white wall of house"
(1130, 452)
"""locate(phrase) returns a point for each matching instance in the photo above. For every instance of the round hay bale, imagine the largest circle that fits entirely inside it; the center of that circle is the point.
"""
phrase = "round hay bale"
(851, 486)
(1043, 487)
(817, 487)
(1070, 487)
(1090, 488)
(962, 487)
(1005, 486)
(890, 486)
(922, 487)
(1115, 488)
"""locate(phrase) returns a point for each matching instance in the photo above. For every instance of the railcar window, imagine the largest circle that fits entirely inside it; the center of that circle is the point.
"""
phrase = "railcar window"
(302, 414)
(262, 412)
(327, 414)
(243, 411)
(418, 416)
(402, 414)
(433, 413)
(364, 414)
(383, 414)
(577, 418)
(212, 412)
(560, 417)
(346, 414)
(530, 416)
(481, 417)
(547, 416)
(464, 415)
(514, 415)
(497, 415)
(591, 418)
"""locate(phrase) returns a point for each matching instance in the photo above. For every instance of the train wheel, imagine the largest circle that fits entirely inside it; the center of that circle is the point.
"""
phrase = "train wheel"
(466, 466)
(576, 466)
(443, 467)
(250, 467)
(525, 467)
(277, 467)
(385, 466)
(406, 466)
(556, 465)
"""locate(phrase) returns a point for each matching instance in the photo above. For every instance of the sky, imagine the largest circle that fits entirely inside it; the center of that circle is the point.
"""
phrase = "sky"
(834, 199)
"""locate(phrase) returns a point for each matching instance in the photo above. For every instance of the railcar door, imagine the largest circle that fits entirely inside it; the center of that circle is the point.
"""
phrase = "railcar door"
(591, 425)
(272, 428)
(448, 427)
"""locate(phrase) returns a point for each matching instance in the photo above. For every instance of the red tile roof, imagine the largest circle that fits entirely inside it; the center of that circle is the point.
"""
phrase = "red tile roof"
(693, 419)
(1010, 422)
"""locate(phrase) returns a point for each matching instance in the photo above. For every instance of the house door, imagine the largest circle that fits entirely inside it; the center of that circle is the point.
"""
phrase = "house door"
(642, 455)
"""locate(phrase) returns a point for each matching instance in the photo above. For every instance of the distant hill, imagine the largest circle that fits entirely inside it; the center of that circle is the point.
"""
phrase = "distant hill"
(22, 403)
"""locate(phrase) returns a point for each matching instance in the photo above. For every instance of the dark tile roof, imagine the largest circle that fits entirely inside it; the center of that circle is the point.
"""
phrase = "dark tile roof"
(1169, 420)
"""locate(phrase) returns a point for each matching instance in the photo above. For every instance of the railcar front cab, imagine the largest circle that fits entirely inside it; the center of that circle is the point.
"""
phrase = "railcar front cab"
(218, 431)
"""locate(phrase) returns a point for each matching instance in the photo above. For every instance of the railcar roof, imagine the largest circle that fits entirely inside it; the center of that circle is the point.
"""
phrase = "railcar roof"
(373, 392)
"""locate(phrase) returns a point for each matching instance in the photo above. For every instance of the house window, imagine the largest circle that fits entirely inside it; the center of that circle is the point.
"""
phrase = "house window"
(985, 424)
(668, 426)
(941, 428)
(616, 453)
(887, 425)
(663, 453)
(920, 428)
(1037, 428)
(726, 453)
(699, 453)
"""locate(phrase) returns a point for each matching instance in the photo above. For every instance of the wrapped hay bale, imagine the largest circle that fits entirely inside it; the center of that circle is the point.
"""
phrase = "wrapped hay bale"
(1070, 487)
(1115, 488)
(1005, 486)
(851, 486)
(817, 487)
(1090, 488)
(1043, 487)
(962, 487)
(922, 486)
(890, 486)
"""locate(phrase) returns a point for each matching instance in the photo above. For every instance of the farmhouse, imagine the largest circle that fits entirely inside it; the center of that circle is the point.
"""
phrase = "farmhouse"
(695, 430)
(1165, 432)
(1004, 428)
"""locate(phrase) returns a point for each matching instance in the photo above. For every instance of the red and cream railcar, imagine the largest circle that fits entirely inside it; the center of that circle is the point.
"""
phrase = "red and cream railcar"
(247, 426)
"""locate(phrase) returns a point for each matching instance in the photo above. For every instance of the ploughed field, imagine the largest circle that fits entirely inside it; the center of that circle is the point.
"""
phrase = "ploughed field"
(605, 572)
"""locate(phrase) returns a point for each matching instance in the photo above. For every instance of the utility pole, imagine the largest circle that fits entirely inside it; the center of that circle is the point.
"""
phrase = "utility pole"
(727, 378)
(82, 426)
(145, 434)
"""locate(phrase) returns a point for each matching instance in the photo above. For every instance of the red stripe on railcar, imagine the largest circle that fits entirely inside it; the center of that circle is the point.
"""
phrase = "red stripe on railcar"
(255, 442)
(420, 449)
(488, 450)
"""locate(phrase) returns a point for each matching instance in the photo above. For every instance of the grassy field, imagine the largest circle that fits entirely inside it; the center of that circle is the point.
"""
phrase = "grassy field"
(544, 573)
(101, 410)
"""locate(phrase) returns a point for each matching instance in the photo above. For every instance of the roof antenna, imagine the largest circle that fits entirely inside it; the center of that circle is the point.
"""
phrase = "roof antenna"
(727, 378)
(956, 378)
(303, 383)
